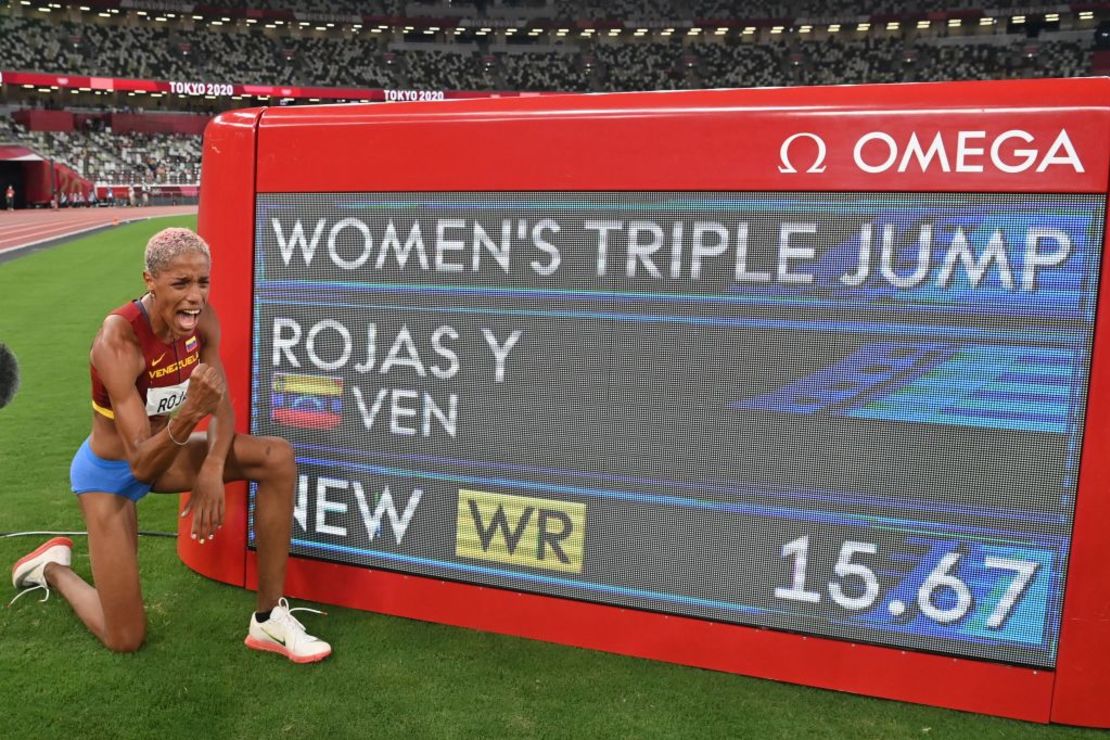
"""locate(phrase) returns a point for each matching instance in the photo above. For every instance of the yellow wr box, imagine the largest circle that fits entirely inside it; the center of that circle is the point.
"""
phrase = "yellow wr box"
(521, 530)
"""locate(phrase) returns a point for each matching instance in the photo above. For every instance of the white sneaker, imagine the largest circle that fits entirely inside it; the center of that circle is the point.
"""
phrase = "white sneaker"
(283, 634)
(28, 572)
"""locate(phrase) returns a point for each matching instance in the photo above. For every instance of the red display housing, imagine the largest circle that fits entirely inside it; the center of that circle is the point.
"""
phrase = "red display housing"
(805, 139)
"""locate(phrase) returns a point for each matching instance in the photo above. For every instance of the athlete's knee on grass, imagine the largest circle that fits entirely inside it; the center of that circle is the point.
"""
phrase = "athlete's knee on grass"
(126, 640)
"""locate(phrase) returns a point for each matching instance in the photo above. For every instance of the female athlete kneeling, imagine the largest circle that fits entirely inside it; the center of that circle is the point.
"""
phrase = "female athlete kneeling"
(156, 373)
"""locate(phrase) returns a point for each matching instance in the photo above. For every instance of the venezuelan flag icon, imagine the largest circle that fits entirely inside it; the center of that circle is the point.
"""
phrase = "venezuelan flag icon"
(306, 401)
(191, 344)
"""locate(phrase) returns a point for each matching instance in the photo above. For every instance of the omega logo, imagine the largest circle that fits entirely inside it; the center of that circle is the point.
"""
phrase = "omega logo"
(1010, 152)
(787, 167)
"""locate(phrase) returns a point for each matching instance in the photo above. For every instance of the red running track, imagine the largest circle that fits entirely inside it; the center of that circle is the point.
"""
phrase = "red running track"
(26, 228)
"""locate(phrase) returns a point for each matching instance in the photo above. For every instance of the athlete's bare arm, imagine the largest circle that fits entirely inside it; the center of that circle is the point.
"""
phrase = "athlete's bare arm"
(221, 430)
(207, 501)
(118, 360)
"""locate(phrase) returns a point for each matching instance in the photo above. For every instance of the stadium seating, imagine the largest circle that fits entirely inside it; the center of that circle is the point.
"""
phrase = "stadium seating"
(101, 156)
(168, 53)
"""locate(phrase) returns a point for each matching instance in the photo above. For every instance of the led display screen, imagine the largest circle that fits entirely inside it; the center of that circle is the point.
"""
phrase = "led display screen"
(855, 415)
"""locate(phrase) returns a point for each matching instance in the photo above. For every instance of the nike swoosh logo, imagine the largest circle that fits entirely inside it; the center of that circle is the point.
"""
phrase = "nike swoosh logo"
(154, 363)
(272, 636)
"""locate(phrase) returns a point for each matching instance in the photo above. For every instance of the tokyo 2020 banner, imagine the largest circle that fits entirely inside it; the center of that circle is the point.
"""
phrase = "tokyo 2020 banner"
(855, 415)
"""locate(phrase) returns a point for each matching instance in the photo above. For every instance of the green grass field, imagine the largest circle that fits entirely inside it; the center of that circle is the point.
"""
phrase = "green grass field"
(388, 677)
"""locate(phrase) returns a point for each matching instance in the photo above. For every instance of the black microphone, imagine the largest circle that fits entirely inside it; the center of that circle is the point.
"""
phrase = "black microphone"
(9, 375)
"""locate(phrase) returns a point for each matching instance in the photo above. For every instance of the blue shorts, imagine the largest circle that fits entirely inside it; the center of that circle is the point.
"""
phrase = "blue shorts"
(89, 473)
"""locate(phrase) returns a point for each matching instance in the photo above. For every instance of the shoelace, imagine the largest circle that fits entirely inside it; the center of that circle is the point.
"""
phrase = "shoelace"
(28, 590)
(289, 612)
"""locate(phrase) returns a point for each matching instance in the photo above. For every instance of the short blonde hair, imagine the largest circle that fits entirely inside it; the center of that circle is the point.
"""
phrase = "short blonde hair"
(169, 244)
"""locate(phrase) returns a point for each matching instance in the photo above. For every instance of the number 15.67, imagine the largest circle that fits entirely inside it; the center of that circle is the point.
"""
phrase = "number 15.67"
(943, 578)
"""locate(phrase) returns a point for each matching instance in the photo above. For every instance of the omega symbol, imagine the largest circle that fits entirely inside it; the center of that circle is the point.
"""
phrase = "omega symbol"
(818, 165)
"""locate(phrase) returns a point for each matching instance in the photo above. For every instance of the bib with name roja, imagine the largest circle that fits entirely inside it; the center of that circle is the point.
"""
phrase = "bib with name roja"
(166, 400)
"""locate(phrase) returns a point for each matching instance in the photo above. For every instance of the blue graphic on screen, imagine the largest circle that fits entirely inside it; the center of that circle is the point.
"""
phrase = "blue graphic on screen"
(1021, 388)
(854, 415)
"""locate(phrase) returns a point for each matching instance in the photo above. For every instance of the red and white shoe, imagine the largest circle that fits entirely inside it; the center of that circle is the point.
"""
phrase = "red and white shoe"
(283, 634)
(28, 572)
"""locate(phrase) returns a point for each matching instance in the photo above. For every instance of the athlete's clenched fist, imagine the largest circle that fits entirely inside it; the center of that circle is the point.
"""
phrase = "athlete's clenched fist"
(206, 388)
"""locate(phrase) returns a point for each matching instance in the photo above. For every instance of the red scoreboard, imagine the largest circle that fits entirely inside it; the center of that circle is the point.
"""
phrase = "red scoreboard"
(797, 383)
